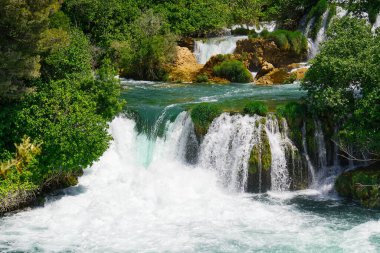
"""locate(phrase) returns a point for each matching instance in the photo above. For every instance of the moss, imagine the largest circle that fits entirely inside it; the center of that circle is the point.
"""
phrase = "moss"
(202, 115)
(288, 40)
(256, 108)
(261, 153)
(362, 185)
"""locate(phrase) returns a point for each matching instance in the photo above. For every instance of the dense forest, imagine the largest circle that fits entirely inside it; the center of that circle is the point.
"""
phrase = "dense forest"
(59, 59)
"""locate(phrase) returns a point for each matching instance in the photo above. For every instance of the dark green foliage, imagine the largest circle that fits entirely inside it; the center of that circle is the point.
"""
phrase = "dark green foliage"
(318, 10)
(203, 115)
(202, 78)
(73, 135)
(103, 21)
(288, 40)
(105, 91)
(349, 58)
(71, 61)
(21, 24)
(256, 107)
(292, 110)
(151, 50)
(234, 71)
(288, 13)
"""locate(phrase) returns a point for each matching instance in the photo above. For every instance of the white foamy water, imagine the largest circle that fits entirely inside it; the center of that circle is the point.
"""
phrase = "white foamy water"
(121, 205)
(205, 49)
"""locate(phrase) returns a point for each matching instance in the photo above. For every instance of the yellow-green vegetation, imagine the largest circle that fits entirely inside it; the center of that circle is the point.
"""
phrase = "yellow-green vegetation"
(25, 154)
(362, 185)
(234, 71)
(288, 40)
(202, 115)
(261, 156)
(256, 108)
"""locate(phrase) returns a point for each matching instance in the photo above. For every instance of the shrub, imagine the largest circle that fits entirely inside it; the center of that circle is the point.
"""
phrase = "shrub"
(203, 115)
(291, 110)
(291, 79)
(202, 78)
(288, 40)
(256, 107)
(234, 71)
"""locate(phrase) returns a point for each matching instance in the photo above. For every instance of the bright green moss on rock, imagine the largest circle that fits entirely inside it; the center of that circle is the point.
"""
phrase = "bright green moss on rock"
(261, 155)
(202, 115)
(362, 185)
(256, 107)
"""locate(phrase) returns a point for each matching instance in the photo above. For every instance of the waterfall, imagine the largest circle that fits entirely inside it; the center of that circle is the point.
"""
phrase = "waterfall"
(376, 24)
(227, 146)
(269, 26)
(205, 49)
(320, 140)
(279, 170)
(314, 45)
(306, 154)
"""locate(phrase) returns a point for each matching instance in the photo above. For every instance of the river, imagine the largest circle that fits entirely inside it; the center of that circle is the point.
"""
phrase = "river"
(143, 195)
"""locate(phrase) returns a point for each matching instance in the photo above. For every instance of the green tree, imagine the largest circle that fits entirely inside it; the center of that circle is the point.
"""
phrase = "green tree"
(63, 118)
(344, 82)
(152, 49)
(21, 25)
(246, 12)
(72, 59)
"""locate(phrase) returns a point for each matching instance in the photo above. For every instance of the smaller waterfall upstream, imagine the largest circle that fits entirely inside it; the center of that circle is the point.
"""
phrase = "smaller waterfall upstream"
(314, 44)
(205, 49)
(376, 24)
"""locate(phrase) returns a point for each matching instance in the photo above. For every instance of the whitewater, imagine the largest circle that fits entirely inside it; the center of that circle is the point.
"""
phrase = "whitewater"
(123, 204)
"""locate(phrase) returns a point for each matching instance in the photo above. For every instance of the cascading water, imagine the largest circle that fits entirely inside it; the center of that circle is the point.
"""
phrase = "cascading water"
(125, 205)
(314, 44)
(279, 170)
(376, 24)
(227, 146)
(205, 49)
(306, 155)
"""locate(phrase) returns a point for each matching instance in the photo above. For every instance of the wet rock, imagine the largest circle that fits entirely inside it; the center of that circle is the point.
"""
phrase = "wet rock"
(362, 185)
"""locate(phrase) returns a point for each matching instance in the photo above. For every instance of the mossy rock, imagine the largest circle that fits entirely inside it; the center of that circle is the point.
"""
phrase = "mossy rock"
(362, 185)
(203, 115)
(259, 166)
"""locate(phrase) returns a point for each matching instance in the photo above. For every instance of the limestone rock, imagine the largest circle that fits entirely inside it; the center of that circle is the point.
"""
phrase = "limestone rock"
(186, 67)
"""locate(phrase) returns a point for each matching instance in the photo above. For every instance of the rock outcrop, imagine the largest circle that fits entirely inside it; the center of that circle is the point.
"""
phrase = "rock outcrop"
(273, 64)
(268, 51)
(362, 185)
(185, 68)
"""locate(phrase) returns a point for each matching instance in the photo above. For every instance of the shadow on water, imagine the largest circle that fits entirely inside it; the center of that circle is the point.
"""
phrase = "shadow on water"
(323, 206)
(59, 194)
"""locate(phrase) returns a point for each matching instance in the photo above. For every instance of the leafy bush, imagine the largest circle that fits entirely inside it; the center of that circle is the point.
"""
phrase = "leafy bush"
(291, 110)
(202, 115)
(343, 82)
(256, 107)
(288, 40)
(71, 61)
(234, 71)
(202, 78)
